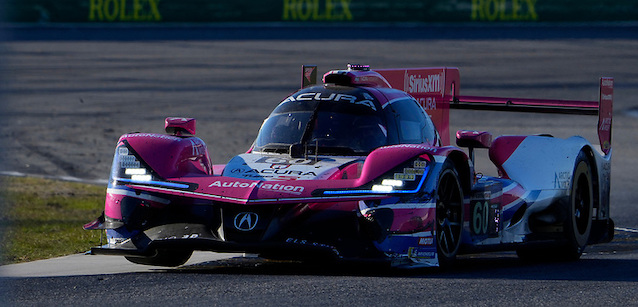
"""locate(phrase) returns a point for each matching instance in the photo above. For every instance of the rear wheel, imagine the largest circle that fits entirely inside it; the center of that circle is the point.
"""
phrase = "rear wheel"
(163, 257)
(577, 226)
(581, 205)
(449, 215)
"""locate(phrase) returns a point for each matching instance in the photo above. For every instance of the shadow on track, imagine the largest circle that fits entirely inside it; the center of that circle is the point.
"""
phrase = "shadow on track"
(503, 266)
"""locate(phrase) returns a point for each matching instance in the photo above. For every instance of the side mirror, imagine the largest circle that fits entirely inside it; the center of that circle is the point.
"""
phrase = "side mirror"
(180, 126)
(473, 139)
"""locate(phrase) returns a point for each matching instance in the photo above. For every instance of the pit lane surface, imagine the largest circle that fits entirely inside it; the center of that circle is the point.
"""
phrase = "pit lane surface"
(66, 102)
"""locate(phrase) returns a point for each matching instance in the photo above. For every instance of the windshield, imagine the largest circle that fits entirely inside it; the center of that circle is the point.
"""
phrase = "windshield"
(324, 123)
(279, 131)
(346, 133)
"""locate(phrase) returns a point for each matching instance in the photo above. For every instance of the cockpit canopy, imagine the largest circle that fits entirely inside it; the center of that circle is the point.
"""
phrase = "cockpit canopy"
(343, 121)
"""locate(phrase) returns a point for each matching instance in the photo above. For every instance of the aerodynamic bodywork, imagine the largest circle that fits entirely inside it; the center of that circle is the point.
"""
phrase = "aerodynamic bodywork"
(360, 167)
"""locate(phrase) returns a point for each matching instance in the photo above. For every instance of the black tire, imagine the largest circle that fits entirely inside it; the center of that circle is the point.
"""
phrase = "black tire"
(449, 215)
(163, 257)
(578, 225)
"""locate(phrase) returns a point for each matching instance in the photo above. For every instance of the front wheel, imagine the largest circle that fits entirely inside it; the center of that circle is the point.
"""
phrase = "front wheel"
(449, 215)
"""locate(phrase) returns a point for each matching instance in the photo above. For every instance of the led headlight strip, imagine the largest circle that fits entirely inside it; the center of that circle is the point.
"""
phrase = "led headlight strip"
(130, 166)
(155, 183)
(387, 186)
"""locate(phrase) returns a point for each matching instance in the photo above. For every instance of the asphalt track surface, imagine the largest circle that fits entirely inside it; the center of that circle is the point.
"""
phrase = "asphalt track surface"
(67, 97)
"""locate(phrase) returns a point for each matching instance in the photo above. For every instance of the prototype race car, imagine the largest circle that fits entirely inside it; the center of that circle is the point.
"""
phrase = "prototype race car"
(360, 168)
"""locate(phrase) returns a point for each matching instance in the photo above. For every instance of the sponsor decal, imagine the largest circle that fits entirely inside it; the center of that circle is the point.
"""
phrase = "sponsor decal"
(124, 10)
(335, 98)
(310, 243)
(504, 10)
(422, 253)
(428, 84)
(260, 185)
(426, 241)
(562, 180)
(279, 166)
(415, 146)
(316, 10)
(186, 236)
(277, 160)
(605, 124)
(246, 221)
(276, 171)
(151, 135)
(607, 97)
(428, 103)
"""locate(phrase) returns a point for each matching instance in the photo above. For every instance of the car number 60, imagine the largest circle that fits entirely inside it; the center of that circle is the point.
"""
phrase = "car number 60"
(480, 218)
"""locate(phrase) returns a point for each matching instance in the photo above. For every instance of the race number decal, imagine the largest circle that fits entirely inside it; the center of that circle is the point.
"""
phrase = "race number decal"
(485, 218)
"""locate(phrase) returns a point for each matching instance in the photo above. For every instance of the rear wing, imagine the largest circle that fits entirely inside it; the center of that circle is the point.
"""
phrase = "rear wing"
(437, 91)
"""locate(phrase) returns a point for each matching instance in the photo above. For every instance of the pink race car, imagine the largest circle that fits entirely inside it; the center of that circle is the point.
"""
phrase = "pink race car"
(360, 168)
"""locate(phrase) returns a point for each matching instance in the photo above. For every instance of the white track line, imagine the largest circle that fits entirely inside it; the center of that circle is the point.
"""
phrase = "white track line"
(63, 178)
(626, 229)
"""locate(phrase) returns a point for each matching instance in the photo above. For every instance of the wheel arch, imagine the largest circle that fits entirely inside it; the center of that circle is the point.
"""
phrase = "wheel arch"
(463, 168)
(593, 168)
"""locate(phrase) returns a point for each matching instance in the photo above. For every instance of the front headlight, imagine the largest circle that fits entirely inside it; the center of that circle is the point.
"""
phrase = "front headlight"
(406, 178)
(128, 168)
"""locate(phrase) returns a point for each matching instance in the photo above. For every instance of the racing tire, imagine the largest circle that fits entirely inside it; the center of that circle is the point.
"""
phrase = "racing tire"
(163, 257)
(449, 215)
(581, 205)
(578, 223)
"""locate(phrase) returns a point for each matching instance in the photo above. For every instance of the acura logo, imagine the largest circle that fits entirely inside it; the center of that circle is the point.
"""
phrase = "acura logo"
(246, 221)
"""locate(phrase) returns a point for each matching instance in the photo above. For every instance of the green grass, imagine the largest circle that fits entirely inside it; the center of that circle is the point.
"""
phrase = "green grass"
(42, 218)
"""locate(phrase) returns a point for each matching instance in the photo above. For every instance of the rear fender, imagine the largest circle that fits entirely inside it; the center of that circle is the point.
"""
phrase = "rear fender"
(537, 162)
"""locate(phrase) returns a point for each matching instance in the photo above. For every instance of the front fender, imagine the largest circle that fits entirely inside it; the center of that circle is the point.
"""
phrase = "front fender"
(384, 159)
(170, 156)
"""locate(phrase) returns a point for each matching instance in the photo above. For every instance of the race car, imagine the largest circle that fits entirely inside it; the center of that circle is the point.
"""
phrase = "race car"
(360, 168)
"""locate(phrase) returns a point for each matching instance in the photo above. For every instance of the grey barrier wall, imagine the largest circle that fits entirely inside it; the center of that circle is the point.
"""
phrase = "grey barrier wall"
(324, 11)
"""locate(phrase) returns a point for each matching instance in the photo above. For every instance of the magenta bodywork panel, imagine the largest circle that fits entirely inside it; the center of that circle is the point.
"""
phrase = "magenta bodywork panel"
(171, 156)
(246, 191)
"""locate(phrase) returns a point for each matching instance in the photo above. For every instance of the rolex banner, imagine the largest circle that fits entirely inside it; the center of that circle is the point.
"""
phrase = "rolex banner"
(323, 11)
